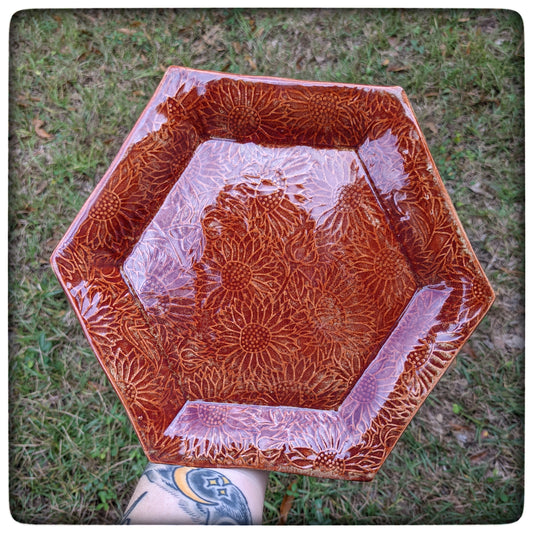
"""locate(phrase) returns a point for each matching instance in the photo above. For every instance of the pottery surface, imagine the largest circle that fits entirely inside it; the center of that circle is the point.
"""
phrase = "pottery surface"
(272, 274)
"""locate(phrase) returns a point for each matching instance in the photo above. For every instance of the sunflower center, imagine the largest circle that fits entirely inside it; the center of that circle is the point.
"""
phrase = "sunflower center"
(328, 461)
(236, 276)
(106, 207)
(349, 198)
(323, 109)
(254, 338)
(243, 120)
(175, 109)
(420, 355)
(180, 160)
(291, 392)
(477, 290)
(388, 264)
(366, 389)
(154, 295)
(269, 202)
(129, 391)
(211, 415)
(284, 388)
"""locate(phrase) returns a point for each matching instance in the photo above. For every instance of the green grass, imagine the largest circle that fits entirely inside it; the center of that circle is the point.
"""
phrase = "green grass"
(87, 75)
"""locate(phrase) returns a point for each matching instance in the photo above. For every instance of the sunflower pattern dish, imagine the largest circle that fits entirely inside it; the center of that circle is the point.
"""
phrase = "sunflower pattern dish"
(271, 274)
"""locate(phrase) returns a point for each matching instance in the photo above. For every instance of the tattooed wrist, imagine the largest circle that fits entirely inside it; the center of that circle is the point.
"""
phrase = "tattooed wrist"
(203, 495)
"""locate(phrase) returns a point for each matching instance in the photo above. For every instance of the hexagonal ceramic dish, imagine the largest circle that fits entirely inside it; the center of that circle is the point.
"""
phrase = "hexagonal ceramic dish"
(271, 274)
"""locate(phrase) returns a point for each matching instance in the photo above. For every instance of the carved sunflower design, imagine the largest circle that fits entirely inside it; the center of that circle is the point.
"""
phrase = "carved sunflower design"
(189, 354)
(115, 215)
(299, 383)
(271, 211)
(470, 292)
(368, 396)
(300, 246)
(322, 117)
(385, 161)
(200, 183)
(242, 110)
(141, 387)
(92, 264)
(99, 309)
(182, 105)
(333, 170)
(268, 169)
(226, 218)
(157, 160)
(336, 309)
(381, 270)
(210, 383)
(323, 451)
(422, 368)
(271, 182)
(343, 202)
(239, 268)
(163, 287)
(252, 335)
(430, 232)
(211, 426)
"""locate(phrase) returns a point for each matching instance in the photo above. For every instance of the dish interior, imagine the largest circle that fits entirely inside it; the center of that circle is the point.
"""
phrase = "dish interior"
(274, 271)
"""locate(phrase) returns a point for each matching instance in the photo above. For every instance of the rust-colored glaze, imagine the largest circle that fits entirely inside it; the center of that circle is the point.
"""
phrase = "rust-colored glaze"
(272, 274)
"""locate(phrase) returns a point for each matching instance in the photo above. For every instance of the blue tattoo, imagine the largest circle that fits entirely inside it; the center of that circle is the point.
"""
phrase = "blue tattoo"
(206, 495)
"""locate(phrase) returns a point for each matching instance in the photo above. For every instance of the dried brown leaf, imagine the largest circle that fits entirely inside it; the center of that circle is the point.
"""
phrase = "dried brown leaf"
(467, 348)
(459, 428)
(22, 101)
(39, 130)
(286, 504)
(284, 509)
(477, 457)
(393, 41)
(398, 68)
(251, 62)
(41, 187)
(432, 126)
